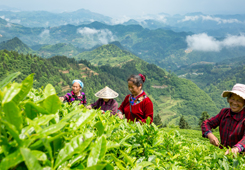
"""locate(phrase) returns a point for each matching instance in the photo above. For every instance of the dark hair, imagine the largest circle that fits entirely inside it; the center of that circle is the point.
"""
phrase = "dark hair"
(137, 79)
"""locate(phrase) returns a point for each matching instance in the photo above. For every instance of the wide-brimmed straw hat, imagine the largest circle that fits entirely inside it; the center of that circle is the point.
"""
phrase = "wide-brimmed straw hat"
(106, 93)
(238, 89)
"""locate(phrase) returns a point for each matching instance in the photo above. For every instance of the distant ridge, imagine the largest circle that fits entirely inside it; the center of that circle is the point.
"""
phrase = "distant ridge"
(15, 44)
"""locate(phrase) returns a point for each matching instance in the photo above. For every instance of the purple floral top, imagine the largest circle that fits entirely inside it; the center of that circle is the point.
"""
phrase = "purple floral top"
(70, 97)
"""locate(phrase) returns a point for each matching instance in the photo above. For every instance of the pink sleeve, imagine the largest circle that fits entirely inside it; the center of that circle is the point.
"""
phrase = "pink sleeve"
(114, 108)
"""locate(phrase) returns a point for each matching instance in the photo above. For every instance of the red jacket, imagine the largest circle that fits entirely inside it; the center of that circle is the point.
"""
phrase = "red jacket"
(141, 111)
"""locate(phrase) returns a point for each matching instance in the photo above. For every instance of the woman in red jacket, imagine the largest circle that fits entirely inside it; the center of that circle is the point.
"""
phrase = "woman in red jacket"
(136, 106)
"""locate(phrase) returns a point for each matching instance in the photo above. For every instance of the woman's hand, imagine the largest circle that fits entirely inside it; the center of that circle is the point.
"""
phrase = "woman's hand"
(89, 107)
(120, 115)
(234, 150)
(62, 98)
(213, 139)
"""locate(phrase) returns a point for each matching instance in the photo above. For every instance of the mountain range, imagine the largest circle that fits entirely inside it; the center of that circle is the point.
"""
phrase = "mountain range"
(165, 48)
(218, 25)
(104, 54)
(171, 96)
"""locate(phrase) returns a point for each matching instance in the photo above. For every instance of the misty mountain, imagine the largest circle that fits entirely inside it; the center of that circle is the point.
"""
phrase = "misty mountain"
(48, 19)
(165, 48)
(7, 8)
(214, 25)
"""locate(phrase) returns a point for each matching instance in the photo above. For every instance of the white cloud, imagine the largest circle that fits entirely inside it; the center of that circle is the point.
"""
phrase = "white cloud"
(120, 20)
(103, 36)
(210, 18)
(3, 17)
(233, 41)
(203, 42)
(190, 18)
(45, 33)
(162, 18)
(17, 21)
(8, 25)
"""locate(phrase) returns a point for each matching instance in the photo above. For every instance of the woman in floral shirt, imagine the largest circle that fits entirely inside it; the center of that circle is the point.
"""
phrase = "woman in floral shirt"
(75, 94)
(136, 106)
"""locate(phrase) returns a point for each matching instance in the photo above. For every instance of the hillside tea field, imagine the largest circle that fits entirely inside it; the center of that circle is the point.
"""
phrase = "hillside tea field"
(39, 132)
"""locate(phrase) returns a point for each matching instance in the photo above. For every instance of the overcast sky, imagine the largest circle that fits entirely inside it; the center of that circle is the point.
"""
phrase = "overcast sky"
(117, 8)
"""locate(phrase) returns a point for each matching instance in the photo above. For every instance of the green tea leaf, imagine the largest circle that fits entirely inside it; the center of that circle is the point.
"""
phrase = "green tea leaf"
(13, 131)
(96, 167)
(52, 129)
(67, 117)
(140, 128)
(30, 160)
(41, 156)
(52, 104)
(118, 162)
(97, 151)
(8, 79)
(39, 143)
(26, 86)
(44, 120)
(100, 128)
(13, 115)
(84, 118)
(49, 91)
(11, 92)
(11, 160)
(32, 110)
(77, 145)
(103, 148)
(111, 144)
(128, 158)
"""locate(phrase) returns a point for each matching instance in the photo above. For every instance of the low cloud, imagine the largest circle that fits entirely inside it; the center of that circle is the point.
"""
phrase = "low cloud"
(103, 36)
(190, 18)
(3, 17)
(17, 21)
(210, 18)
(8, 25)
(120, 20)
(45, 33)
(162, 18)
(203, 42)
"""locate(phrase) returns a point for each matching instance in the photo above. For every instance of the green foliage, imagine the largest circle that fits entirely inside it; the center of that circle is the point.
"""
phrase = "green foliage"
(15, 44)
(71, 138)
(107, 55)
(60, 49)
(185, 96)
(183, 124)
(204, 116)
(157, 121)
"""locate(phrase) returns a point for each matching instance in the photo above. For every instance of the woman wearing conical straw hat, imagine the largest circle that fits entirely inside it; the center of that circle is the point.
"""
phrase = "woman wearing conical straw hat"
(106, 101)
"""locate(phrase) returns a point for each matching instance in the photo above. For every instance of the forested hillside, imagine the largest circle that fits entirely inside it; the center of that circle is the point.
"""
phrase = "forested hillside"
(171, 95)
(15, 44)
(214, 78)
(107, 55)
(68, 50)
(165, 48)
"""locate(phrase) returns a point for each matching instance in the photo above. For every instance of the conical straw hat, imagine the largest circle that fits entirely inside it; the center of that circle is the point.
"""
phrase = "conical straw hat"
(106, 93)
